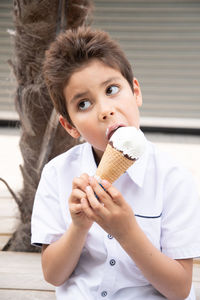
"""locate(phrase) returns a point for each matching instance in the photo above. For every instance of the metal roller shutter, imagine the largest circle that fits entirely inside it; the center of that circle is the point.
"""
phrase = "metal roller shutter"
(162, 41)
(7, 79)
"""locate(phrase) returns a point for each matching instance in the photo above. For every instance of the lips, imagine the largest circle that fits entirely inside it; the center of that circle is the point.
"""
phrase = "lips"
(111, 129)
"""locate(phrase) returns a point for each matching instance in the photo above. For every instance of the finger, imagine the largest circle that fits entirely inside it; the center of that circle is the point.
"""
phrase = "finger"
(85, 177)
(76, 196)
(75, 208)
(112, 191)
(80, 182)
(106, 184)
(96, 205)
(85, 206)
(100, 192)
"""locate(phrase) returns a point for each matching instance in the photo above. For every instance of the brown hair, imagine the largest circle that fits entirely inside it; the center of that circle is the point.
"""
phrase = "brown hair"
(71, 51)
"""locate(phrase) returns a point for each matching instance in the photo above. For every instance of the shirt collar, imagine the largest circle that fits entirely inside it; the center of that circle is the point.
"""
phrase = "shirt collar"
(88, 164)
(136, 171)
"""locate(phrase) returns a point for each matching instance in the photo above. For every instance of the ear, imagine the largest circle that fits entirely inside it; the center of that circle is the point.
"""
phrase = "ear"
(69, 128)
(137, 92)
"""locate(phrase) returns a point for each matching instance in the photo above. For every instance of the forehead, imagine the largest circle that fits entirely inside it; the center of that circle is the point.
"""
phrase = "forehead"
(96, 67)
(91, 75)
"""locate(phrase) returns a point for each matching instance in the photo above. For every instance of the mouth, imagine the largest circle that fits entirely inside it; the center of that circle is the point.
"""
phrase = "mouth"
(111, 129)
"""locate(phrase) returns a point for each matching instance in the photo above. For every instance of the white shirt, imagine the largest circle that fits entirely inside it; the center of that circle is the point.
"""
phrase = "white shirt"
(166, 205)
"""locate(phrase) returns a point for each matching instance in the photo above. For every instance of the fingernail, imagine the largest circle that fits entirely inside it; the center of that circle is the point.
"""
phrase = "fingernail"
(88, 188)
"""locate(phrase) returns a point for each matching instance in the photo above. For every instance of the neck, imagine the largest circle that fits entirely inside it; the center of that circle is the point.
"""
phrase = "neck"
(97, 155)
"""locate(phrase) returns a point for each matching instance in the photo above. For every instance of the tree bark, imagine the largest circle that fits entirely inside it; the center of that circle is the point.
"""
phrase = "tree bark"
(37, 22)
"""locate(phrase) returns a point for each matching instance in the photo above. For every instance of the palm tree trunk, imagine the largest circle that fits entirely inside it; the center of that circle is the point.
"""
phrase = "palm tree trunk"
(37, 22)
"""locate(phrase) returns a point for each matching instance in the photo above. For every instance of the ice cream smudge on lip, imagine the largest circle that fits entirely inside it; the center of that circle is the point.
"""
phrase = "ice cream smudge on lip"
(125, 146)
(128, 140)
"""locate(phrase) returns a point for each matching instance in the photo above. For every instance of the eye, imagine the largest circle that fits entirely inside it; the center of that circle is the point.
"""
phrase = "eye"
(83, 105)
(111, 90)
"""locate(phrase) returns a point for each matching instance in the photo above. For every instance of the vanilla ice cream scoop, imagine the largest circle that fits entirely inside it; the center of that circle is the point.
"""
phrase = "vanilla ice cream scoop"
(130, 141)
(125, 146)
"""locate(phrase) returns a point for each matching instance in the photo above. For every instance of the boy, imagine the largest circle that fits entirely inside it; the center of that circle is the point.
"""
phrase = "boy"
(140, 243)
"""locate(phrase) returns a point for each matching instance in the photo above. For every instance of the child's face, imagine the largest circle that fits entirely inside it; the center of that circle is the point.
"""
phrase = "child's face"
(98, 99)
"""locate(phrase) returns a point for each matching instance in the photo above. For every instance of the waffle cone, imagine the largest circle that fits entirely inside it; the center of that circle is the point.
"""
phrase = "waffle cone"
(113, 164)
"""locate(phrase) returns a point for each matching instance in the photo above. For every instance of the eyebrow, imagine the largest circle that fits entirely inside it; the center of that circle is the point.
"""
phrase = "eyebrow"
(78, 96)
(84, 94)
(110, 80)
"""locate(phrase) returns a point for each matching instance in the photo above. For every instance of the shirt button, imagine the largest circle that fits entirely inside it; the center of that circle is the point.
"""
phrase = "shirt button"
(112, 262)
(104, 294)
(110, 236)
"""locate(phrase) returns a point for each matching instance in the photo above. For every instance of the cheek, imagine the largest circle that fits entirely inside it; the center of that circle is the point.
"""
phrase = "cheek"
(132, 113)
(128, 103)
(86, 129)
(127, 97)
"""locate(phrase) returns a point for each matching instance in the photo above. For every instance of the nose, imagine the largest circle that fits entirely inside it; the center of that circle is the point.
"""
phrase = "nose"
(105, 109)
(106, 114)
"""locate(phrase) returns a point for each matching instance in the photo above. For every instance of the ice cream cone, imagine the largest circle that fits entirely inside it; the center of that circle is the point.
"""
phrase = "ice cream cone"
(113, 164)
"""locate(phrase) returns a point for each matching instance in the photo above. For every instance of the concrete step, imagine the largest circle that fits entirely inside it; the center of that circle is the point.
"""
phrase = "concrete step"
(21, 277)
(26, 295)
(196, 278)
(9, 219)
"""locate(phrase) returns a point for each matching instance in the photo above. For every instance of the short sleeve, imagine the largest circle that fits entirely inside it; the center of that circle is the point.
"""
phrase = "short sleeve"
(180, 236)
(47, 224)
